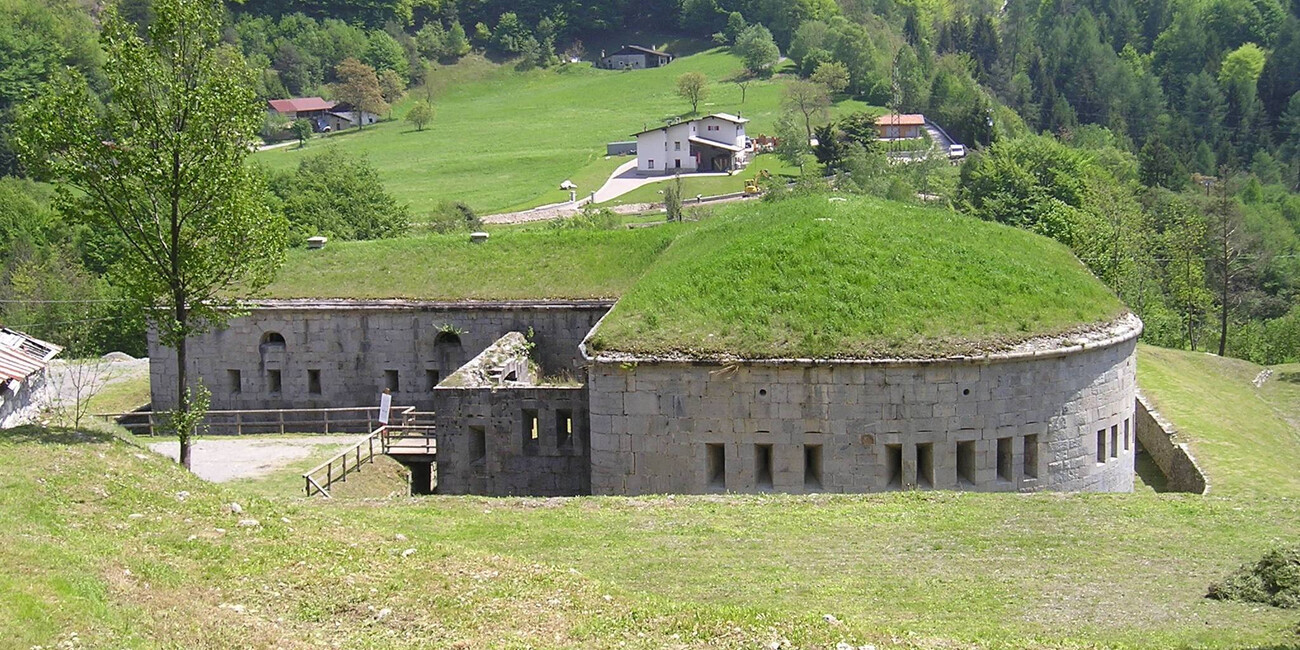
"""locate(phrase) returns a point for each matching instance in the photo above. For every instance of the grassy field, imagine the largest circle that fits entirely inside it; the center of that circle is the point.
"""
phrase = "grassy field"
(857, 277)
(503, 140)
(536, 263)
(107, 546)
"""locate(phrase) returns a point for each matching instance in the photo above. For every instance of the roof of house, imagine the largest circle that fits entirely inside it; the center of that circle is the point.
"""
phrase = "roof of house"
(661, 128)
(715, 143)
(640, 50)
(736, 119)
(903, 119)
(21, 355)
(299, 104)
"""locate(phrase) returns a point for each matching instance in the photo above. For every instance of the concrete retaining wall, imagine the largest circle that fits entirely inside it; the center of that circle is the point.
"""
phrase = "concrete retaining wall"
(1025, 422)
(1175, 460)
(356, 349)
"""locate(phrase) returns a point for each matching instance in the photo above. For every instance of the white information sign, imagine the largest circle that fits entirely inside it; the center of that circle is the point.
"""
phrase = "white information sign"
(385, 404)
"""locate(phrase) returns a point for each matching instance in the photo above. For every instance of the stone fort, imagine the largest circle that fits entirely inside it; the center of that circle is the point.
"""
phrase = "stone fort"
(523, 406)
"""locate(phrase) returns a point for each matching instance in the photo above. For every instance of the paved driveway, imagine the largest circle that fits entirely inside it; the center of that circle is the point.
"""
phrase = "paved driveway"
(625, 179)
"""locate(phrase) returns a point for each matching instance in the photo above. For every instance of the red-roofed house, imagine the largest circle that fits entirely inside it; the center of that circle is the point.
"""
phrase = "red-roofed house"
(897, 126)
(304, 107)
(22, 373)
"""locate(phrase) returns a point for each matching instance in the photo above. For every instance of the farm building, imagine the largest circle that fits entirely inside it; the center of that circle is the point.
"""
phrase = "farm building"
(634, 57)
(988, 359)
(324, 115)
(714, 143)
(897, 126)
(23, 361)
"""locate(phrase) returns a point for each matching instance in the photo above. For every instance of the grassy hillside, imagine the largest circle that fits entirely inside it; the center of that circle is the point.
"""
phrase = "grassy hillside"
(123, 549)
(1246, 438)
(504, 140)
(858, 277)
(540, 263)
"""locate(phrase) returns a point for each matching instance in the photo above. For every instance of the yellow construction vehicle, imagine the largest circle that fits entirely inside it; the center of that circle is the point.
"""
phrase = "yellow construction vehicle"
(751, 184)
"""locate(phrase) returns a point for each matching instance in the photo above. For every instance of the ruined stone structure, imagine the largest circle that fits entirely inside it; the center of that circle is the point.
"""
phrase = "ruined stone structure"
(1048, 415)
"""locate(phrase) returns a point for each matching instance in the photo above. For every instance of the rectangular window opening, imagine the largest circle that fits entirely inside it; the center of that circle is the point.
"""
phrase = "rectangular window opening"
(477, 443)
(235, 382)
(763, 466)
(812, 467)
(1114, 441)
(1126, 435)
(273, 381)
(925, 465)
(431, 379)
(1031, 456)
(563, 428)
(1101, 446)
(313, 382)
(715, 458)
(529, 431)
(894, 465)
(391, 381)
(966, 462)
(1004, 459)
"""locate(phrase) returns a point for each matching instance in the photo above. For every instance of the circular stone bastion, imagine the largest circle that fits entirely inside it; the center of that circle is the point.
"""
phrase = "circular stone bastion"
(1048, 414)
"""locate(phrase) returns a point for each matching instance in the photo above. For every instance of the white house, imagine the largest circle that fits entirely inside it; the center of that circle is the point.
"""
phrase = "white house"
(714, 143)
(635, 57)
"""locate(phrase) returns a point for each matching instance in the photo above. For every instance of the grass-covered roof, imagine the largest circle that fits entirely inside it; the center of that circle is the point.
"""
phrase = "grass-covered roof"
(856, 278)
(810, 277)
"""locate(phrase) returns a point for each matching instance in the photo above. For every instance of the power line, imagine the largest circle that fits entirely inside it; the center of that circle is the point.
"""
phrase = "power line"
(61, 302)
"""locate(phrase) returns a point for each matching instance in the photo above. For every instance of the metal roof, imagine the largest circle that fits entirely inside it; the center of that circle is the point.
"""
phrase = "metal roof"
(727, 117)
(299, 104)
(715, 143)
(21, 355)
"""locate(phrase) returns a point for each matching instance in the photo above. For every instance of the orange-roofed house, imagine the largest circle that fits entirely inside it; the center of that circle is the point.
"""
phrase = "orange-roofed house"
(896, 126)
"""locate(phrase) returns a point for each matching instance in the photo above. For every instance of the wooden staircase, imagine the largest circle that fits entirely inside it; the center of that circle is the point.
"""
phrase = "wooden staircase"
(407, 441)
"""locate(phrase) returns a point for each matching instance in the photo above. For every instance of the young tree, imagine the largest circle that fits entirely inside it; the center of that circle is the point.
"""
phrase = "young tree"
(735, 25)
(420, 114)
(391, 87)
(163, 166)
(1226, 246)
(833, 75)
(809, 99)
(693, 87)
(757, 49)
(358, 87)
(743, 82)
(673, 199)
(302, 130)
(792, 144)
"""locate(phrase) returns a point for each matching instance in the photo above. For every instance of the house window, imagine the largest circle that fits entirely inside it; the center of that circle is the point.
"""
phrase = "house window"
(763, 467)
(563, 428)
(715, 460)
(1004, 459)
(1101, 446)
(313, 382)
(273, 381)
(894, 465)
(925, 465)
(391, 381)
(812, 467)
(966, 462)
(431, 379)
(529, 431)
(1114, 441)
(1031, 456)
(1126, 438)
(678, 163)
(650, 163)
(677, 146)
(233, 379)
(477, 443)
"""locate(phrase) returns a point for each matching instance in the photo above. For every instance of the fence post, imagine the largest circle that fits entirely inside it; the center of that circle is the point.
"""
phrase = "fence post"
(151, 424)
(327, 422)
(239, 424)
(281, 421)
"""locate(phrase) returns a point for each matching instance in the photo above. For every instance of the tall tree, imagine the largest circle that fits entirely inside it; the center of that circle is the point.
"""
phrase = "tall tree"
(358, 87)
(420, 114)
(163, 166)
(808, 99)
(1226, 247)
(792, 144)
(757, 49)
(693, 87)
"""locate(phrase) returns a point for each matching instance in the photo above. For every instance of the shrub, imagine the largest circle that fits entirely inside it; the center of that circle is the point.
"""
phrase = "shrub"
(1274, 580)
(453, 216)
(339, 196)
(590, 218)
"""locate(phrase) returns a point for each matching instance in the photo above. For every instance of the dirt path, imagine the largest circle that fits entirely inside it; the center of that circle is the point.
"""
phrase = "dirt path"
(227, 459)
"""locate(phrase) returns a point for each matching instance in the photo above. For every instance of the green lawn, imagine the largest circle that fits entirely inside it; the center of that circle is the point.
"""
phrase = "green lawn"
(815, 277)
(102, 549)
(512, 264)
(503, 140)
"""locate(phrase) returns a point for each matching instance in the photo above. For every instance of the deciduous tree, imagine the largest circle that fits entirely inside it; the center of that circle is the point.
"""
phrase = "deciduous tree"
(833, 75)
(757, 49)
(809, 99)
(163, 165)
(693, 87)
(420, 114)
(358, 87)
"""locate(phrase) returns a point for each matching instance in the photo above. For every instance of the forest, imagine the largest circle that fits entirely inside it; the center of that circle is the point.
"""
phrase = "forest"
(1160, 139)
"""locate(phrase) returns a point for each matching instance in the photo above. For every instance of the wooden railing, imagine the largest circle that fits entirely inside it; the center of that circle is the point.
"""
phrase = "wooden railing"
(239, 422)
(406, 438)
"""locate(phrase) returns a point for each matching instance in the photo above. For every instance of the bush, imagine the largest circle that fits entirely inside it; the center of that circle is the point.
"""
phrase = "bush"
(1274, 580)
(590, 218)
(339, 196)
(453, 216)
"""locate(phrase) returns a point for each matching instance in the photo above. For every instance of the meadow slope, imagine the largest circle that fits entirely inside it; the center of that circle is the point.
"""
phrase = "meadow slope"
(123, 549)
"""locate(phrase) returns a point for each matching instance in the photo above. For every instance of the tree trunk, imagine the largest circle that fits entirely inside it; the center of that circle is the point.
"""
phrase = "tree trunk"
(182, 394)
(1223, 309)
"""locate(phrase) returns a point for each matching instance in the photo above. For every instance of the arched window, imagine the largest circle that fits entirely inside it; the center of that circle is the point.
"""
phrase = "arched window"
(446, 340)
(272, 338)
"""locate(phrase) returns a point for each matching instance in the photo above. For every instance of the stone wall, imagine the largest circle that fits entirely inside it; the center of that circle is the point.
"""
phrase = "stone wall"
(344, 353)
(501, 435)
(1175, 460)
(1027, 420)
(17, 399)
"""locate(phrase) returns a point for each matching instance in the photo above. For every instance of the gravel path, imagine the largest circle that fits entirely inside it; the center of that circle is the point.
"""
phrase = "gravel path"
(227, 459)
